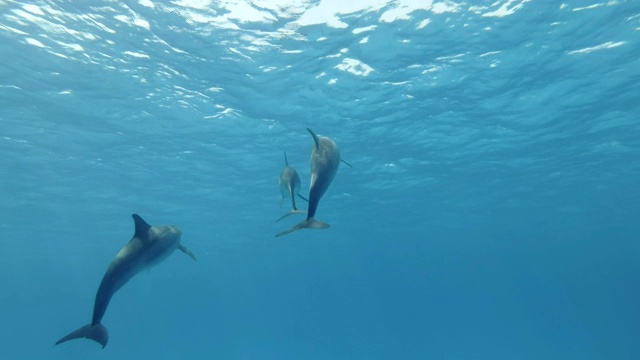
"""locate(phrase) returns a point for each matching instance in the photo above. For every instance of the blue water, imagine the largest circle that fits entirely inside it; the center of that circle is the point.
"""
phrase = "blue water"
(491, 211)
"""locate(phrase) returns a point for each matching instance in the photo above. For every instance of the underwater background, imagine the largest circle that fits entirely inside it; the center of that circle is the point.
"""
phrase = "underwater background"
(491, 211)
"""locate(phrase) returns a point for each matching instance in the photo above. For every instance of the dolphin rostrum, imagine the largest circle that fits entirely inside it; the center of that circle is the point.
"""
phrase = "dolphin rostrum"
(290, 187)
(149, 246)
(325, 160)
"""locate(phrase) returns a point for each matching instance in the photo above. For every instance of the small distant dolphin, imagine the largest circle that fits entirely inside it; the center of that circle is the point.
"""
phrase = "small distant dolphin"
(290, 187)
(149, 246)
(325, 160)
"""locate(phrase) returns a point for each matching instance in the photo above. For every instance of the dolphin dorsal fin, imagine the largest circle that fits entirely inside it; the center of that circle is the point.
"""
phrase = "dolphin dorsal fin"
(142, 228)
(315, 138)
(286, 162)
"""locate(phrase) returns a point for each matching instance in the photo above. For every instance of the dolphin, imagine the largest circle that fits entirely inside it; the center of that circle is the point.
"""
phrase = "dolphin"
(149, 246)
(289, 187)
(325, 160)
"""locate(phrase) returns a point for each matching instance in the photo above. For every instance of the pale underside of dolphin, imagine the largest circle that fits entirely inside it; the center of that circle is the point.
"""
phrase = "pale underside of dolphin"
(290, 187)
(325, 160)
(149, 246)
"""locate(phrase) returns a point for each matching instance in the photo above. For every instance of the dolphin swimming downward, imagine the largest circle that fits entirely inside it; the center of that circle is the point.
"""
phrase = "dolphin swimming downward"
(325, 160)
(149, 246)
(290, 187)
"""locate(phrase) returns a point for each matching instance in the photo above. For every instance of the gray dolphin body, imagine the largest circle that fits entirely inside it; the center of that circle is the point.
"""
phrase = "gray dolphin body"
(325, 160)
(290, 187)
(149, 246)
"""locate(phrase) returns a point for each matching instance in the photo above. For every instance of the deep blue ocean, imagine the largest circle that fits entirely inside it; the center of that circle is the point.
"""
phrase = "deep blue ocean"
(491, 210)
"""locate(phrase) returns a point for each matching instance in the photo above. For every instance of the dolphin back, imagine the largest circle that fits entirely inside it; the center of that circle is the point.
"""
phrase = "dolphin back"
(96, 332)
(325, 160)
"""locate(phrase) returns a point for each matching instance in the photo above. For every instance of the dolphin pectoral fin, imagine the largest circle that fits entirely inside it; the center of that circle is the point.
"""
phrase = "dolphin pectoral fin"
(303, 198)
(187, 251)
(96, 332)
(281, 201)
(296, 211)
(349, 165)
(315, 137)
(286, 162)
(310, 223)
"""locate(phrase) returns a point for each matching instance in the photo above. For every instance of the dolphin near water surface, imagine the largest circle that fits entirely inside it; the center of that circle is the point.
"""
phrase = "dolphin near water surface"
(149, 246)
(325, 160)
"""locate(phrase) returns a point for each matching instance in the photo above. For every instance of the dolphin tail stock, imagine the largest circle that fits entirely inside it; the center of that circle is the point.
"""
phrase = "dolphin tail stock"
(187, 251)
(310, 223)
(303, 198)
(294, 211)
(96, 332)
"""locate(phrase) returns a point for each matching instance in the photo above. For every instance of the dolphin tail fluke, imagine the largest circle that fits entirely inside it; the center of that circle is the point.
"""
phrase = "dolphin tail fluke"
(187, 251)
(310, 223)
(295, 211)
(95, 332)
